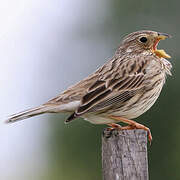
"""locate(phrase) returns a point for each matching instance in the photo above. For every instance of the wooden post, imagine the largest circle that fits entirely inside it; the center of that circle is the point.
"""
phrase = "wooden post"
(124, 155)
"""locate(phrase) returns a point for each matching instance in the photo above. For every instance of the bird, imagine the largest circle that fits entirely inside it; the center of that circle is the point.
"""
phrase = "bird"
(122, 89)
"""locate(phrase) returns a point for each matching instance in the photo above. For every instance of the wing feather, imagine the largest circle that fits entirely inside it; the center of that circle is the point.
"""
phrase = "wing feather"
(116, 84)
(103, 97)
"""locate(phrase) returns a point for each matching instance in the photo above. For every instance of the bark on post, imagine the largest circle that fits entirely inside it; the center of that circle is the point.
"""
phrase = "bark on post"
(124, 155)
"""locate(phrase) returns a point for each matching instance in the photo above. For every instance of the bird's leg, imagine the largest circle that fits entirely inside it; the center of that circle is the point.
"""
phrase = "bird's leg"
(117, 126)
(132, 125)
(114, 125)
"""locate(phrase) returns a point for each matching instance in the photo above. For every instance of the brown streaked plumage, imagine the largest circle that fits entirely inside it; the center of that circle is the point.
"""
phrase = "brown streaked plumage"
(123, 88)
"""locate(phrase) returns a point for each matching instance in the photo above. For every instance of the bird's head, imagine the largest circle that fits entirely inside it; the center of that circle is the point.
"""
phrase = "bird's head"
(141, 41)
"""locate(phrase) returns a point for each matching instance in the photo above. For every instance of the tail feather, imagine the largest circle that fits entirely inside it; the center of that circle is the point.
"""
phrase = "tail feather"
(27, 114)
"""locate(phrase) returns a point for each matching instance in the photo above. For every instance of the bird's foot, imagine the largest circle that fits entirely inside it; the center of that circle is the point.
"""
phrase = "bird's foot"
(131, 125)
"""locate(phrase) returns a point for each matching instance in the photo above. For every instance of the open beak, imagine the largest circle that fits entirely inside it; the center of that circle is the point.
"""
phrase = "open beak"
(160, 52)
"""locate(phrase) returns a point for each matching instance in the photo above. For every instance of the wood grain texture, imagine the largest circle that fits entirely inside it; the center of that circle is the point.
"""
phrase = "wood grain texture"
(124, 155)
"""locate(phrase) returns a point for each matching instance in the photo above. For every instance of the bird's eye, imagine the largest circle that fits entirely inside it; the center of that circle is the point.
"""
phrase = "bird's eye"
(143, 39)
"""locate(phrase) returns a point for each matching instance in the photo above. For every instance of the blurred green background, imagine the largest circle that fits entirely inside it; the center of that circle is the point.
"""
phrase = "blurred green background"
(60, 42)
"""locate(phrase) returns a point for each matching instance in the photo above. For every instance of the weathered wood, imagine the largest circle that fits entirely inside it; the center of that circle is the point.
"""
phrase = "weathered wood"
(124, 155)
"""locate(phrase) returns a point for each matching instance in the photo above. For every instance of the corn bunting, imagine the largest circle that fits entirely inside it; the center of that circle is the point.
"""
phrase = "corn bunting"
(122, 89)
